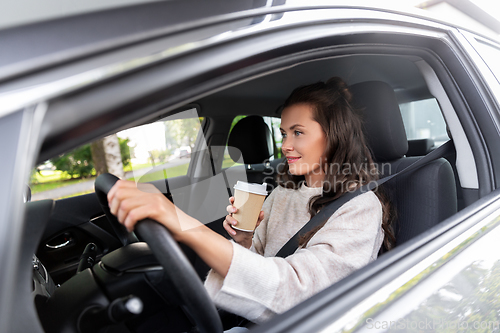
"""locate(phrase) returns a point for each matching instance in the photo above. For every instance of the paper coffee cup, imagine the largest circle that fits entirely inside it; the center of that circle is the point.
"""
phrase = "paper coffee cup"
(248, 199)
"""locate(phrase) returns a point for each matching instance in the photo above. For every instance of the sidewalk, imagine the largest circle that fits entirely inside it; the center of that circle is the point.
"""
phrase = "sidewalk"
(88, 186)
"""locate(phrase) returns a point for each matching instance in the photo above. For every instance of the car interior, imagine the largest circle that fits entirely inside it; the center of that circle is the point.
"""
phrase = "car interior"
(382, 86)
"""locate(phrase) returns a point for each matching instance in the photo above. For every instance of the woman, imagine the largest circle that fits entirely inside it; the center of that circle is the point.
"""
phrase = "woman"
(326, 156)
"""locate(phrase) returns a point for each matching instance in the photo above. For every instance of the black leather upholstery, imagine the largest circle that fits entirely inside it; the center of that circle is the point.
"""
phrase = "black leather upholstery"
(422, 198)
(419, 147)
(251, 138)
(383, 123)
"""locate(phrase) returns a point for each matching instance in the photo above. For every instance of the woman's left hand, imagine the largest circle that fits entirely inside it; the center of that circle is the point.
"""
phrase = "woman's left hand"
(131, 205)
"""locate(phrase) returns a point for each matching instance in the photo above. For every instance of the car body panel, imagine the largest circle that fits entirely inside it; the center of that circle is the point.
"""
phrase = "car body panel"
(19, 130)
(60, 96)
(351, 302)
(460, 293)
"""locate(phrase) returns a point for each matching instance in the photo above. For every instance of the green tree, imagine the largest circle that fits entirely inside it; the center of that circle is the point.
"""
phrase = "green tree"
(79, 163)
(125, 150)
(182, 132)
(76, 163)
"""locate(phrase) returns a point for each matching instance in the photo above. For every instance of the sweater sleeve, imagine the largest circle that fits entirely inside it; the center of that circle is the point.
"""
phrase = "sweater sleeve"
(258, 288)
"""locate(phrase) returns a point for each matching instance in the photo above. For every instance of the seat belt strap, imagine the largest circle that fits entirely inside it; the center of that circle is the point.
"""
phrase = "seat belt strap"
(324, 214)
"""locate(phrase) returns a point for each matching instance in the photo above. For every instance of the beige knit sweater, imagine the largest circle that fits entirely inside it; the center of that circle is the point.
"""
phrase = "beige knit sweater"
(259, 285)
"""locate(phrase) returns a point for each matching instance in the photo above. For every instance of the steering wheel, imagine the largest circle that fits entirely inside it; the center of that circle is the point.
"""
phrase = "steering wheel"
(190, 292)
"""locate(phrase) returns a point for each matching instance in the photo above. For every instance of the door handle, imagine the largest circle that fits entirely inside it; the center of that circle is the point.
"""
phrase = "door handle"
(60, 241)
(58, 246)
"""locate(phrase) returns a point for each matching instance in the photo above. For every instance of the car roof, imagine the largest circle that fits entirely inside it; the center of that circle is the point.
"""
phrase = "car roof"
(264, 95)
(55, 40)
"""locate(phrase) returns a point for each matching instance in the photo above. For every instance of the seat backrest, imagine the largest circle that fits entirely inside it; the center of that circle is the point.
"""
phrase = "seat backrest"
(422, 198)
(251, 141)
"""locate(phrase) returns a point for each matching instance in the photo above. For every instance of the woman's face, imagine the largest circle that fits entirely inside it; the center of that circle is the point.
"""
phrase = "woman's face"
(304, 143)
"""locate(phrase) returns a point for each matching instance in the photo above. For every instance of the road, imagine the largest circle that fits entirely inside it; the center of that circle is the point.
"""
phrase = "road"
(88, 186)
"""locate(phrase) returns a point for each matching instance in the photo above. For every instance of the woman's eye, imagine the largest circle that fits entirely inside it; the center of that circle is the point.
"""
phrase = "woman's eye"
(297, 133)
(283, 135)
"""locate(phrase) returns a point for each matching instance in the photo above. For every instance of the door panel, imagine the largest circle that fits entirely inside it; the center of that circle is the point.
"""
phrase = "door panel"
(75, 222)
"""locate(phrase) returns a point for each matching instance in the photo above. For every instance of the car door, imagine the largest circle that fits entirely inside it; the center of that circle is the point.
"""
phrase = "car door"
(430, 282)
(445, 279)
(183, 73)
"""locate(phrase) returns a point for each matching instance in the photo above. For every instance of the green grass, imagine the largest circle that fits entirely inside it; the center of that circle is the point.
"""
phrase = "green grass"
(45, 176)
(47, 180)
(228, 162)
(75, 195)
(131, 167)
(50, 180)
(42, 187)
(179, 170)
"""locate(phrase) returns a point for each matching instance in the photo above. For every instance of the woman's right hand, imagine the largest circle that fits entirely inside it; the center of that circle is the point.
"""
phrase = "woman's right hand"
(244, 238)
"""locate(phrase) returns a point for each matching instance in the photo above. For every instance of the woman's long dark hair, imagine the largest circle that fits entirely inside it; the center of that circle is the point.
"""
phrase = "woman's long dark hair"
(349, 163)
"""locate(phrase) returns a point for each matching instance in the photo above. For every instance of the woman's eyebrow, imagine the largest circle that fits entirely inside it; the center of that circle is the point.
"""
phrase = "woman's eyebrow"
(292, 127)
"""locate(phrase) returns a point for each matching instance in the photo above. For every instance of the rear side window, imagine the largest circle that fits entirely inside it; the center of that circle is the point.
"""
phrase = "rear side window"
(274, 125)
(423, 120)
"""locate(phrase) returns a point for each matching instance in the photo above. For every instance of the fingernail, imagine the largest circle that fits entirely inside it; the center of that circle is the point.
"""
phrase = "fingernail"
(234, 222)
(233, 233)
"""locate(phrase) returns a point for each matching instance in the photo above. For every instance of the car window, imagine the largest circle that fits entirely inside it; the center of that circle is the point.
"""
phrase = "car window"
(274, 126)
(423, 120)
(163, 149)
(154, 151)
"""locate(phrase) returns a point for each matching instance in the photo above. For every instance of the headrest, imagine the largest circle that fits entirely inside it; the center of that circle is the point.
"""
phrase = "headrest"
(251, 138)
(382, 119)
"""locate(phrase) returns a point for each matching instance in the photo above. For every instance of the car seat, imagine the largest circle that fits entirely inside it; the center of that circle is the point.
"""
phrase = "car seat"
(251, 141)
(422, 198)
(419, 147)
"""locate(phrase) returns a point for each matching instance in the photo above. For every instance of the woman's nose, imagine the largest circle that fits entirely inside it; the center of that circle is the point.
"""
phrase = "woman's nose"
(286, 147)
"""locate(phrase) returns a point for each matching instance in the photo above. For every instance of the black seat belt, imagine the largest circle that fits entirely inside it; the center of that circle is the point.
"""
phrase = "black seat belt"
(291, 246)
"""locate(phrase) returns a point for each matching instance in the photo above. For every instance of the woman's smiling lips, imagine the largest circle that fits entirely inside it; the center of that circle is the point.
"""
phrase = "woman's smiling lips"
(292, 159)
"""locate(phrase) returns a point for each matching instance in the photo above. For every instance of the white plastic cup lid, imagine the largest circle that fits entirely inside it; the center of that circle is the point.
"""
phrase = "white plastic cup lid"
(260, 189)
